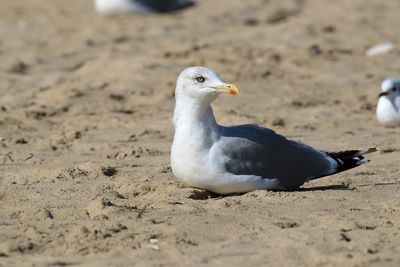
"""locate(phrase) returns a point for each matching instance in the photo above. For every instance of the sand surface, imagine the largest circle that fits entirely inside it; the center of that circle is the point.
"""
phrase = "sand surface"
(85, 124)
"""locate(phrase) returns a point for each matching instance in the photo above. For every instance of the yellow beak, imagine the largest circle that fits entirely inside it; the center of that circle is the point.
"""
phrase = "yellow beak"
(227, 89)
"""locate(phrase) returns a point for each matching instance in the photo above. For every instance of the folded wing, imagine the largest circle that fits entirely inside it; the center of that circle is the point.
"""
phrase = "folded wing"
(252, 150)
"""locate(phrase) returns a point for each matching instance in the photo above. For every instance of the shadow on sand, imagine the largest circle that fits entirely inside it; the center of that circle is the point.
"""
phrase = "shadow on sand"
(326, 187)
(204, 195)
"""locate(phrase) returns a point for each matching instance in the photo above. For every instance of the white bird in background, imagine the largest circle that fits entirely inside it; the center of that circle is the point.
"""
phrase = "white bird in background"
(109, 7)
(388, 109)
(233, 159)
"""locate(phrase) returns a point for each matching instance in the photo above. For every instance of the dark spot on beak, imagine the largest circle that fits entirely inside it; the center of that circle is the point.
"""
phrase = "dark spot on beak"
(383, 94)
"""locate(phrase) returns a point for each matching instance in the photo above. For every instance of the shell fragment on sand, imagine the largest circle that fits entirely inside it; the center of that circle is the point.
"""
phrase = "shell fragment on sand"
(381, 48)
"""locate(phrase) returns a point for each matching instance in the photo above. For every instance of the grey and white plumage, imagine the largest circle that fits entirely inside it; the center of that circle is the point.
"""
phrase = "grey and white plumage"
(108, 7)
(232, 159)
(388, 107)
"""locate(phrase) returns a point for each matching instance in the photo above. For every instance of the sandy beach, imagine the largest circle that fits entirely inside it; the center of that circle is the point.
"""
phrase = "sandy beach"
(86, 105)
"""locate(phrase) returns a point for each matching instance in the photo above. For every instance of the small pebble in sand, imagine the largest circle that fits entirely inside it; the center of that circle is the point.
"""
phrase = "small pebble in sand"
(153, 244)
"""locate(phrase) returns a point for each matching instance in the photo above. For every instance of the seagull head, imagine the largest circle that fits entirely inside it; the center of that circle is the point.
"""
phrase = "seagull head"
(203, 84)
(390, 88)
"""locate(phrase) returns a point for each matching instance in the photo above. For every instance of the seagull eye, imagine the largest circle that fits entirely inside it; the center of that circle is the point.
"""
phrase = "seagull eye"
(200, 79)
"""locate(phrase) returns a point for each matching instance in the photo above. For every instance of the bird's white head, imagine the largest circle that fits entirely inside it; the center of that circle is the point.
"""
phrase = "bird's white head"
(202, 84)
(390, 88)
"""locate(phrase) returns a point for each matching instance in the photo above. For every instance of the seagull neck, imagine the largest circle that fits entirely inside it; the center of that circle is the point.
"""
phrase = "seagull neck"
(194, 114)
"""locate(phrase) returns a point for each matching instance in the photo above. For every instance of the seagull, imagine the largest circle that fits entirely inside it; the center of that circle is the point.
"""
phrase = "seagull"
(108, 7)
(388, 109)
(238, 159)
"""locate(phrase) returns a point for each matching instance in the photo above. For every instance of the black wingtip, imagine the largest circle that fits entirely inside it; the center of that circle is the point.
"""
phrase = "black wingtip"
(158, 6)
(349, 159)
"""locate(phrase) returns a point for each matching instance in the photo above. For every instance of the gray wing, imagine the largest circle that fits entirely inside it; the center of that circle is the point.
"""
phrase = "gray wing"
(252, 150)
(163, 5)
